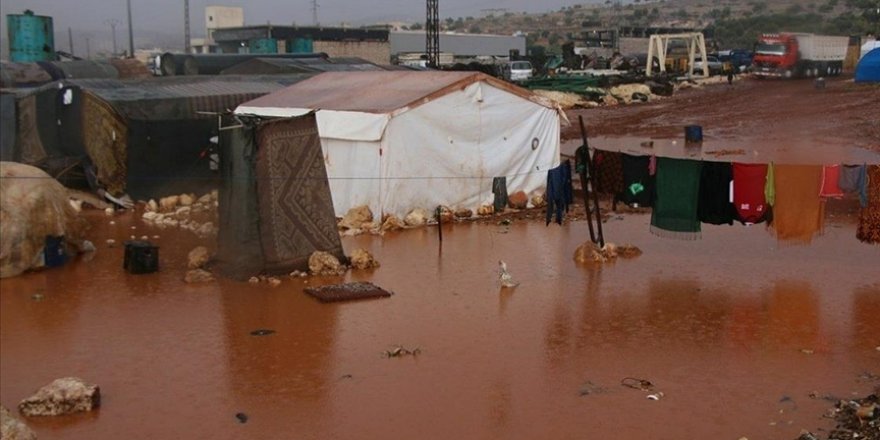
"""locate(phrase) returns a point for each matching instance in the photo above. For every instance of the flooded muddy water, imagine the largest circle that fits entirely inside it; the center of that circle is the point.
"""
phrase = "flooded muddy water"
(735, 330)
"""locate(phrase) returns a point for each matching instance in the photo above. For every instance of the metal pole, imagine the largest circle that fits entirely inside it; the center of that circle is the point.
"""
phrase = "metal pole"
(130, 32)
(113, 22)
(186, 44)
(70, 39)
(592, 178)
(314, 12)
(88, 49)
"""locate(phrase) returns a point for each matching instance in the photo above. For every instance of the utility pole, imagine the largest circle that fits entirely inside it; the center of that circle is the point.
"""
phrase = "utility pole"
(130, 32)
(113, 22)
(186, 45)
(432, 34)
(88, 48)
(315, 12)
(70, 39)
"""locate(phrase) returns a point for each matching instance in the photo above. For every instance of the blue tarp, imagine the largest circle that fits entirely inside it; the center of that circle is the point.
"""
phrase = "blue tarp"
(868, 69)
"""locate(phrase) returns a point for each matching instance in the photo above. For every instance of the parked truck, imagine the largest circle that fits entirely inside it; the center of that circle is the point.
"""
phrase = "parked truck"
(790, 55)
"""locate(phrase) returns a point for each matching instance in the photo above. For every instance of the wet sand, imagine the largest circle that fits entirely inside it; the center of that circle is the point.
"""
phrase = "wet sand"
(726, 327)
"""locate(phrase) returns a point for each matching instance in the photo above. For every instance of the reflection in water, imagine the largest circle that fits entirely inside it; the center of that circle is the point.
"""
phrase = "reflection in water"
(866, 317)
(792, 315)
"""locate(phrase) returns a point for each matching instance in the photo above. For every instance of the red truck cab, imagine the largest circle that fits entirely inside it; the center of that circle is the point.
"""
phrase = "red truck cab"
(776, 55)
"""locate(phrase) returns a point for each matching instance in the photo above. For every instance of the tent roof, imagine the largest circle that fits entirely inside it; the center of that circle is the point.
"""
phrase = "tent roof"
(868, 69)
(377, 92)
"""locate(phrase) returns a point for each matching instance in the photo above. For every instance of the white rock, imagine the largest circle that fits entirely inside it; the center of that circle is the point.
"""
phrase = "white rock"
(150, 216)
(62, 396)
(108, 211)
(186, 199)
(14, 429)
(152, 206)
(198, 257)
(416, 217)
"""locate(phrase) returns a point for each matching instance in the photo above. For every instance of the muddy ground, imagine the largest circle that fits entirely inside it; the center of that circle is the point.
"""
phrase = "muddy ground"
(742, 335)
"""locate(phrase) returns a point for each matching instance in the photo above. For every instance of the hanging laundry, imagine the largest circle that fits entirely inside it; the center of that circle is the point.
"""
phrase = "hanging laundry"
(638, 185)
(555, 196)
(748, 192)
(714, 204)
(770, 186)
(678, 193)
(853, 178)
(830, 182)
(567, 190)
(799, 211)
(499, 189)
(609, 171)
(869, 216)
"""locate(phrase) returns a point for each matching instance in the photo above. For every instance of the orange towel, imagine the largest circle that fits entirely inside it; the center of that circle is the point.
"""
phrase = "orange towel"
(799, 211)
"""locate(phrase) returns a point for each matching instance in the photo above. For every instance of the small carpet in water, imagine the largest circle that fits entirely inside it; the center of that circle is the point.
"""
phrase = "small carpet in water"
(347, 292)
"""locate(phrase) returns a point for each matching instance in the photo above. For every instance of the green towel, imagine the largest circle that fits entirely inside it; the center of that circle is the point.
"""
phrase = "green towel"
(678, 191)
(770, 186)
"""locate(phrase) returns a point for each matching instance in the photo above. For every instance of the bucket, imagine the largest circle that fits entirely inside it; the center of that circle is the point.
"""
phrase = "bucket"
(693, 133)
(53, 252)
(140, 257)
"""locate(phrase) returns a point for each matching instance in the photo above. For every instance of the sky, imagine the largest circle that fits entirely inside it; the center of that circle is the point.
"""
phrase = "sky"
(167, 15)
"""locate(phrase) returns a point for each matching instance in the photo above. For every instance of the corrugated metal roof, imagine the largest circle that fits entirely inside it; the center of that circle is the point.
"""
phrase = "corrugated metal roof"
(377, 92)
(181, 97)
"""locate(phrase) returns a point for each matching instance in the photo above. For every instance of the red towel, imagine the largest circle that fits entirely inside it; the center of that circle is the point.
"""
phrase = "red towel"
(830, 177)
(748, 191)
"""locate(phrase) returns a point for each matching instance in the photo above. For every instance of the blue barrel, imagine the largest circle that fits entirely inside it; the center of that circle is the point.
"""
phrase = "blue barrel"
(263, 45)
(693, 133)
(31, 37)
(301, 45)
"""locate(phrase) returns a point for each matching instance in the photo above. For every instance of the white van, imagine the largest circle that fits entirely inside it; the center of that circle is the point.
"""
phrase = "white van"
(520, 70)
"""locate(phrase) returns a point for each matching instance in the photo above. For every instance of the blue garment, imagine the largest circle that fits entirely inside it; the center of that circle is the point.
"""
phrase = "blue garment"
(559, 191)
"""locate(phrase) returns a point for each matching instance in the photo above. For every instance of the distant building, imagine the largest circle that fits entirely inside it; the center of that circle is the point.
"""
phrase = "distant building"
(371, 45)
(217, 17)
(459, 45)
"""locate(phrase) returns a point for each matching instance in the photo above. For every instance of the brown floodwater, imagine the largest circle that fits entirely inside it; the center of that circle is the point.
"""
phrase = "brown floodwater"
(734, 329)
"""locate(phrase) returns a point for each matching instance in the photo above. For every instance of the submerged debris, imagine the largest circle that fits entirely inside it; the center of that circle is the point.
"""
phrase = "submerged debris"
(504, 275)
(198, 276)
(242, 417)
(590, 388)
(590, 252)
(262, 332)
(346, 292)
(401, 351)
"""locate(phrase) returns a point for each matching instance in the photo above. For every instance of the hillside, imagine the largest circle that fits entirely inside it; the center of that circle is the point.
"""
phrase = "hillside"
(732, 23)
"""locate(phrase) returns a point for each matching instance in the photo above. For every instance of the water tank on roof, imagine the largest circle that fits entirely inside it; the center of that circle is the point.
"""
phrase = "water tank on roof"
(301, 45)
(263, 45)
(31, 37)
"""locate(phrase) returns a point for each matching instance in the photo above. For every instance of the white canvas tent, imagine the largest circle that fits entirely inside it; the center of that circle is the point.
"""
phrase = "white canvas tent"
(400, 140)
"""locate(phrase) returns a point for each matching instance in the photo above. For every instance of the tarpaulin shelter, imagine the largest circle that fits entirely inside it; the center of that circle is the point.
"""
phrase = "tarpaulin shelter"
(401, 140)
(868, 69)
(275, 205)
(147, 137)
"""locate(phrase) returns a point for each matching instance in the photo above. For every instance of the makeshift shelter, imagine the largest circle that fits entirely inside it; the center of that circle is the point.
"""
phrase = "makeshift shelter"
(34, 207)
(275, 205)
(146, 138)
(868, 69)
(400, 140)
